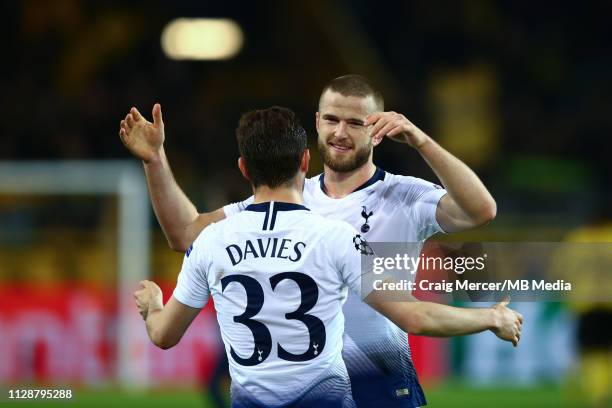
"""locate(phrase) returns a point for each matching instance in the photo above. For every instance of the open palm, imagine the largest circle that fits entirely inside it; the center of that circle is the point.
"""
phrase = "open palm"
(143, 138)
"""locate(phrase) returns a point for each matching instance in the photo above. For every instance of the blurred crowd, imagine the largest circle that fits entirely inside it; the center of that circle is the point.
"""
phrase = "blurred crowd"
(520, 92)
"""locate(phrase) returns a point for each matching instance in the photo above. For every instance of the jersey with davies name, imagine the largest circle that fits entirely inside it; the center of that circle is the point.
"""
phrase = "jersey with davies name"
(278, 275)
(387, 208)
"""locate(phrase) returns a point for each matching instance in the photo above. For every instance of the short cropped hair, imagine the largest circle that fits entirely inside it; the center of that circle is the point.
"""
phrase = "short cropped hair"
(354, 85)
(271, 142)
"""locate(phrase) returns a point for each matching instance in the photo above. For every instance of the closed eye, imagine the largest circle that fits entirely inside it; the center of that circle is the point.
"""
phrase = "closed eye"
(354, 123)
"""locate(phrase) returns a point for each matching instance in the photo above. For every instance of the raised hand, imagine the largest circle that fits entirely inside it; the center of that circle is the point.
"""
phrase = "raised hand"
(396, 127)
(148, 298)
(143, 138)
(509, 323)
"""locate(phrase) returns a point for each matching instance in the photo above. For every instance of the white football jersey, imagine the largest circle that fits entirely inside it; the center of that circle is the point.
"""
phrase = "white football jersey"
(278, 274)
(387, 208)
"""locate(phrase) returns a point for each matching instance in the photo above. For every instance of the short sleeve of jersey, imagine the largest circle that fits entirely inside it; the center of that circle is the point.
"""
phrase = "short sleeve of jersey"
(192, 284)
(350, 247)
(235, 208)
(420, 200)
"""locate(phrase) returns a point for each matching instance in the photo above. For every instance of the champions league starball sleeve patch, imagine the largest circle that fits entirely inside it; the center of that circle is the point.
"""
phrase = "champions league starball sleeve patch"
(362, 245)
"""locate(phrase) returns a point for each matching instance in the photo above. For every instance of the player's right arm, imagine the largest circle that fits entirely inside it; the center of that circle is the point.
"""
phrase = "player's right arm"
(437, 320)
(176, 214)
(412, 315)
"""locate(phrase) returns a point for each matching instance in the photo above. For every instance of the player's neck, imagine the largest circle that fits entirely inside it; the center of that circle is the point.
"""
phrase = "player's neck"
(283, 194)
(340, 184)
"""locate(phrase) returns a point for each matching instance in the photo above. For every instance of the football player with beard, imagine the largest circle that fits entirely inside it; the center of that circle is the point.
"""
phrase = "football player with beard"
(385, 207)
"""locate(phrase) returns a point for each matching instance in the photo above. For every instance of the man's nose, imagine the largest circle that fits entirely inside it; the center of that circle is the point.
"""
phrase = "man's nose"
(340, 130)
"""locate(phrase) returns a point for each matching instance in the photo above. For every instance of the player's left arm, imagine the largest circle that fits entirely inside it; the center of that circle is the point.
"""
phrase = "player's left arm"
(165, 324)
(468, 203)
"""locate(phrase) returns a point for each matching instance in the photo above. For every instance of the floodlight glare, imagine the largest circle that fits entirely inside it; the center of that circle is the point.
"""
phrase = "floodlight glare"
(201, 39)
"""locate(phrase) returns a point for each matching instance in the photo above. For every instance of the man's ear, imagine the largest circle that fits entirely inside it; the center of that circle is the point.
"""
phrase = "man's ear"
(243, 169)
(305, 161)
(317, 118)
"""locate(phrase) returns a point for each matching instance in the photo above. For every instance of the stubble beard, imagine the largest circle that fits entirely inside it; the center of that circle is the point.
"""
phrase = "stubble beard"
(354, 161)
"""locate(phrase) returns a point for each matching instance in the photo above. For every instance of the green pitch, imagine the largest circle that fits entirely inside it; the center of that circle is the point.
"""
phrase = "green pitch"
(467, 396)
(450, 395)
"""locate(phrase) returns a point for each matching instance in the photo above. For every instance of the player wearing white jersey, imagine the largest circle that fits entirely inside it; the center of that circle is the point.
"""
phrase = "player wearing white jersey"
(376, 351)
(278, 275)
(350, 122)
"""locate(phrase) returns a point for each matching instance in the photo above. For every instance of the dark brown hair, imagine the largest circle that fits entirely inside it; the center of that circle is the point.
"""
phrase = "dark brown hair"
(271, 142)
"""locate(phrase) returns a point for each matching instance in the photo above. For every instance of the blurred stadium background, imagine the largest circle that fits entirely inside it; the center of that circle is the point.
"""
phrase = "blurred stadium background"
(520, 91)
